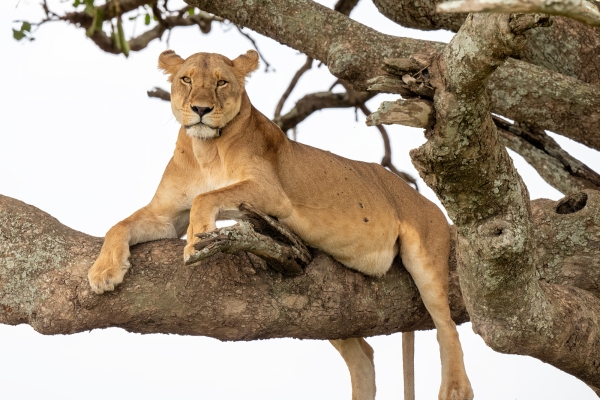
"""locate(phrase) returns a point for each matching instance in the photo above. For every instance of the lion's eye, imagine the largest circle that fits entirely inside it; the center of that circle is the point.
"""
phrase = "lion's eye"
(186, 79)
(221, 83)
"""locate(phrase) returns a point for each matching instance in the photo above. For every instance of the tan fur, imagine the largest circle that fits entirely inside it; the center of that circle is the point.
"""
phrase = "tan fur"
(359, 213)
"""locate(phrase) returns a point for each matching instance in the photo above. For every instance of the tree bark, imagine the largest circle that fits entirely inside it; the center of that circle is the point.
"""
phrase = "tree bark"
(497, 249)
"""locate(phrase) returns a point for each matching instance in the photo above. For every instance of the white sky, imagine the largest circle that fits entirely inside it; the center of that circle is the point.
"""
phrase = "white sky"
(80, 139)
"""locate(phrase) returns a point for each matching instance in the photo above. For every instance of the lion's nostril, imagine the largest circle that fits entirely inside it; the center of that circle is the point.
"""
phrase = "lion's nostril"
(201, 111)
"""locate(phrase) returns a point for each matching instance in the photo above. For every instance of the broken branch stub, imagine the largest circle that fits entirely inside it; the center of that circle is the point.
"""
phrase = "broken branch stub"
(260, 235)
(417, 113)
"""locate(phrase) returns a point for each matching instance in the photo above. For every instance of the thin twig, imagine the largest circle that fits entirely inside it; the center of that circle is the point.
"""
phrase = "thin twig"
(337, 82)
(307, 65)
(267, 65)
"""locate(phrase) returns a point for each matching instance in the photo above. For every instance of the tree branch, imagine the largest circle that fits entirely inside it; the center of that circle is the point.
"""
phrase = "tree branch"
(557, 167)
(105, 42)
(307, 65)
(319, 101)
(159, 94)
(586, 11)
(43, 282)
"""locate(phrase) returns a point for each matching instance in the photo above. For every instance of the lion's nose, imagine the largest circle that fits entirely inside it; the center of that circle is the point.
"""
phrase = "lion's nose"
(201, 111)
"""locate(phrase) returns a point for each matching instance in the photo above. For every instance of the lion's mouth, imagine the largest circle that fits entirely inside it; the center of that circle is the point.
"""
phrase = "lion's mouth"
(203, 131)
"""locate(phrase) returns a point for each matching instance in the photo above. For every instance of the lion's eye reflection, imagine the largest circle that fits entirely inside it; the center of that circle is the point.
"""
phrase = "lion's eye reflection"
(221, 83)
(186, 79)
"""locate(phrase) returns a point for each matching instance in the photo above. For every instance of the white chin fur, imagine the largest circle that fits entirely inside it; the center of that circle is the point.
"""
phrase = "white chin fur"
(202, 131)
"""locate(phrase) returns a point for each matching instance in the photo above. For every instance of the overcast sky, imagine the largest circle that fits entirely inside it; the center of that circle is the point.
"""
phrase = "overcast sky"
(80, 140)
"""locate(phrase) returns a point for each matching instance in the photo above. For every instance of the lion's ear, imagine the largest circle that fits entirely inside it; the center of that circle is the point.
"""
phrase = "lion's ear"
(169, 62)
(246, 63)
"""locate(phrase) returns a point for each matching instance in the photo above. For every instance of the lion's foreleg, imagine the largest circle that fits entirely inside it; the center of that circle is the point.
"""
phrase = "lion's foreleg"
(142, 226)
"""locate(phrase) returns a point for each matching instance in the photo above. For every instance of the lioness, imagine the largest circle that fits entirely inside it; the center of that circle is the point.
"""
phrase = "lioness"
(227, 153)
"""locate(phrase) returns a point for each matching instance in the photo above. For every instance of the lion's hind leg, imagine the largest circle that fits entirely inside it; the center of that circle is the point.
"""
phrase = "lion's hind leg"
(425, 256)
(358, 356)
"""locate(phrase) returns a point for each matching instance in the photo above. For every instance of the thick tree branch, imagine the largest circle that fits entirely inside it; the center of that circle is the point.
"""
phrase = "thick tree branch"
(43, 282)
(466, 165)
(586, 11)
(419, 14)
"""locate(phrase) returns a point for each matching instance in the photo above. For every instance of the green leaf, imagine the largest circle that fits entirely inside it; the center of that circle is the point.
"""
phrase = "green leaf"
(18, 35)
(191, 10)
(124, 45)
(26, 27)
(76, 3)
(147, 19)
(100, 19)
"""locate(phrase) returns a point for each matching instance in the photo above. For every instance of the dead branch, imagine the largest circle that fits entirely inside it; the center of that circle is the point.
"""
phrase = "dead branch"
(256, 234)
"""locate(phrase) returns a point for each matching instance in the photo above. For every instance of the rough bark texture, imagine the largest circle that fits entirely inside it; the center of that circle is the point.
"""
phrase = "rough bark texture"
(355, 53)
(497, 250)
(557, 167)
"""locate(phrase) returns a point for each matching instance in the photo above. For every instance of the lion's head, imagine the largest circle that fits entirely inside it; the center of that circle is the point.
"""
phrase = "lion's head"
(206, 89)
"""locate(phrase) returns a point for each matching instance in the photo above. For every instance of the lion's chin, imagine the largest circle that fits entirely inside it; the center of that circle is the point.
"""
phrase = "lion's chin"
(202, 131)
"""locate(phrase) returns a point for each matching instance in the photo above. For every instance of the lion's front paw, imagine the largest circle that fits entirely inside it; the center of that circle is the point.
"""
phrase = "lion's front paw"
(106, 274)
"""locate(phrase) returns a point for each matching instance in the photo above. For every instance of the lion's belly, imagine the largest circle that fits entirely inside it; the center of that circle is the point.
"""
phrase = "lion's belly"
(368, 245)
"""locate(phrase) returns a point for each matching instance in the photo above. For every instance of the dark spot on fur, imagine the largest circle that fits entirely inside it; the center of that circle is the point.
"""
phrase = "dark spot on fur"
(366, 220)
(361, 205)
